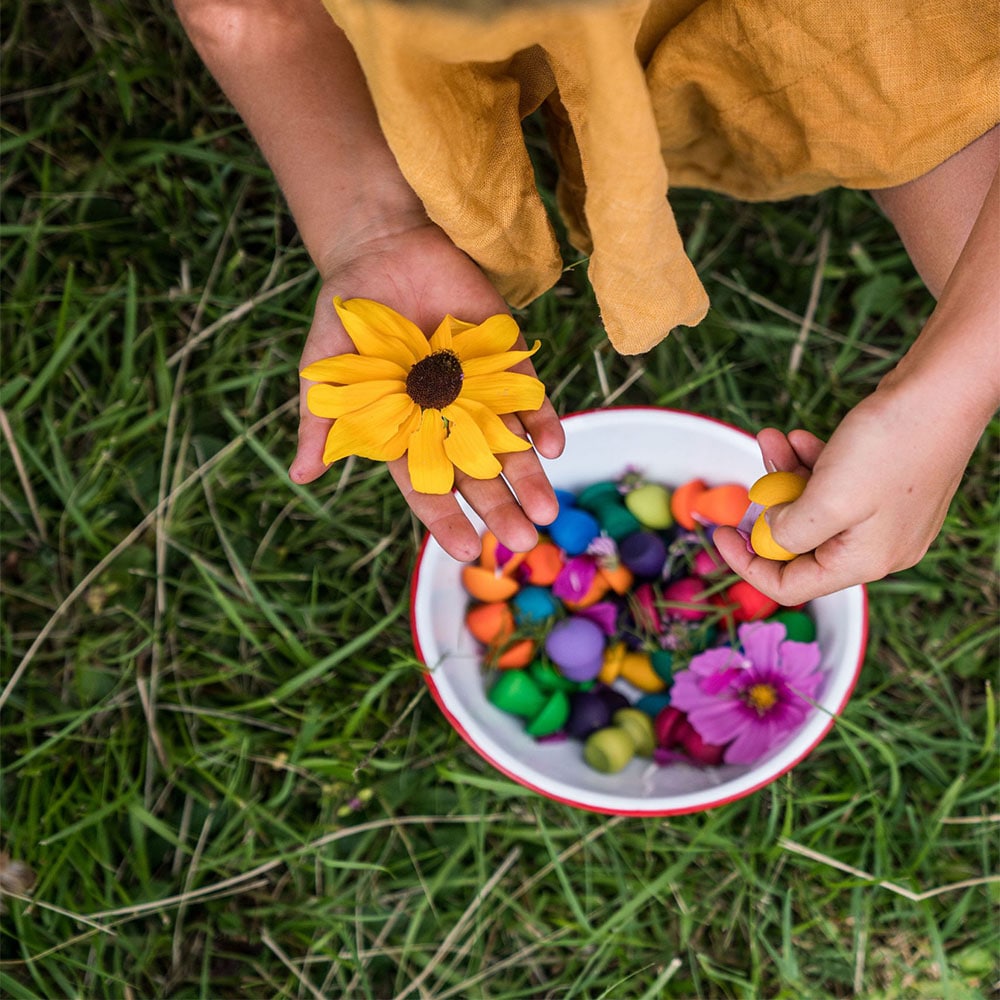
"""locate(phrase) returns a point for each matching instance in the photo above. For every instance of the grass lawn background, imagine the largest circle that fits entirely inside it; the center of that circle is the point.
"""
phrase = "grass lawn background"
(218, 753)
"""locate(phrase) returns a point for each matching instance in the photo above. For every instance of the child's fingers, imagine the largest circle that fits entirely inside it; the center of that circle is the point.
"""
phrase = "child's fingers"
(818, 516)
(788, 586)
(830, 568)
(732, 547)
(781, 453)
(543, 424)
(308, 464)
(491, 499)
(831, 536)
(504, 515)
(546, 430)
(807, 447)
(440, 515)
(531, 487)
(776, 451)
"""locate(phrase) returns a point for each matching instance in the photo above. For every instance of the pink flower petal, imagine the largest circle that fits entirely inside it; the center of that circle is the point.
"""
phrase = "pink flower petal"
(715, 659)
(750, 745)
(749, 519)
(724, 681)
(796, 659)
(575, 578)
(760, 642)
(719, 723)
(686, 692)
(714, 691)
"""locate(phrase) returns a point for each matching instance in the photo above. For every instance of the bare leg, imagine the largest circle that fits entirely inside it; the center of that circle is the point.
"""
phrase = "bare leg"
(934, 214)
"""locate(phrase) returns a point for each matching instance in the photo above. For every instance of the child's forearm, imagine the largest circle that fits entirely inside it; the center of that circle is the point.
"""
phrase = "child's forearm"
(292, 76)
(955, 362)
(880, 489)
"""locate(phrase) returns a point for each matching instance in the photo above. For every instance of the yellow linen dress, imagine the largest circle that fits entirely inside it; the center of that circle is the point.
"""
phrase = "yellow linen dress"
(758, 99)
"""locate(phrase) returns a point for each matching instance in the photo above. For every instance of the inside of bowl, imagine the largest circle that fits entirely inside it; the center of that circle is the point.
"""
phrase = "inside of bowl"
(667, 447)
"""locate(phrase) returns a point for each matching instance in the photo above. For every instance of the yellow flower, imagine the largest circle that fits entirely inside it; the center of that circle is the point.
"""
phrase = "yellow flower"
(437, 401)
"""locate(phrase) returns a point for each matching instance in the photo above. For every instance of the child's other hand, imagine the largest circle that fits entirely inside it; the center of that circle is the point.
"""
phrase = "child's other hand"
(422, 275)
(877, 495)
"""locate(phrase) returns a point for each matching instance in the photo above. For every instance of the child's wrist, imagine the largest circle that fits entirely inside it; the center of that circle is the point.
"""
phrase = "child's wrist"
(954, 392)
(364, 232)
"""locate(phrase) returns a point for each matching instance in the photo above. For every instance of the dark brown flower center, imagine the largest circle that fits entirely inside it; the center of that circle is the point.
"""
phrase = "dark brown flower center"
(435, 381)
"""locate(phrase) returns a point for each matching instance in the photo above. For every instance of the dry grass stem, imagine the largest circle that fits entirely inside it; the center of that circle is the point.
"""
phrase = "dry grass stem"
(822, 253)
(799, 321)
(128, 540)
(254, 873)
(234, 315)
(22, 475)
(470, 911)
(899, 890)
(291, 966)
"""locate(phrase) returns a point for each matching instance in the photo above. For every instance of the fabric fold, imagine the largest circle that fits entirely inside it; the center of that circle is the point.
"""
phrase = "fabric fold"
(756, 99)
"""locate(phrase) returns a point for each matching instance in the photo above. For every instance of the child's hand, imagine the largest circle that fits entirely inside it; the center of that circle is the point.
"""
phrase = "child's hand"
(423, 276)
(877, 495)
(879, 491)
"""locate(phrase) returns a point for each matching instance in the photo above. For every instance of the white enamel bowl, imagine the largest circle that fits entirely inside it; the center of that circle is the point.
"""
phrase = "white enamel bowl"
(669, 447)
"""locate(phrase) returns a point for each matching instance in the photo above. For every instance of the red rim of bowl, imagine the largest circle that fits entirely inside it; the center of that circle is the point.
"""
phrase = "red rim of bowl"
(588, 807)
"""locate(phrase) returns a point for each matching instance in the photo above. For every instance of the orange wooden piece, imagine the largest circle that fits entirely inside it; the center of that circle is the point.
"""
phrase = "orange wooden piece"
(681, 500)
(490, 623)
(517, 654)
(488, 556)
(544, 563)
(619, 579)
(486, 585)
(598, 588)
(722, 504)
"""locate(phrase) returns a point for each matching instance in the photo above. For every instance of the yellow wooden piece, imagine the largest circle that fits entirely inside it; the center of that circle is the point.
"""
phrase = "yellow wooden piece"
(777, 487)
(763, 543)
(637, 669)
(614, 656)
(768, 491)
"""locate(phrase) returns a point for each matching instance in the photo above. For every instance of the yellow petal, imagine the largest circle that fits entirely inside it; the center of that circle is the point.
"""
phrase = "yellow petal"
(333, 449)
(496, 362)
(370, 431)
(459, 325)
(495, 335)
(380, 332)
(430, 469)
(397, 445)
(468, 449)
(498, 436)
(504, 392)
(337, 400)
(345, 369)
(442, 336)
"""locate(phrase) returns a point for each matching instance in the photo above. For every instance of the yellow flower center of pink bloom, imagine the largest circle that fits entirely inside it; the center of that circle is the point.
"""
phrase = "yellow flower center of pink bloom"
(435, 381)
(761, 697)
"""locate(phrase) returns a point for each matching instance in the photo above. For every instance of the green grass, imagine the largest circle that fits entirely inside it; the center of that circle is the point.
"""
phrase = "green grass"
(219, 755)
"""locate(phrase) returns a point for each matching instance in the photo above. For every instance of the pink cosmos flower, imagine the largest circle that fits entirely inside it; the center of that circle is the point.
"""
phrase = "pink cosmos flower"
(752, 698)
